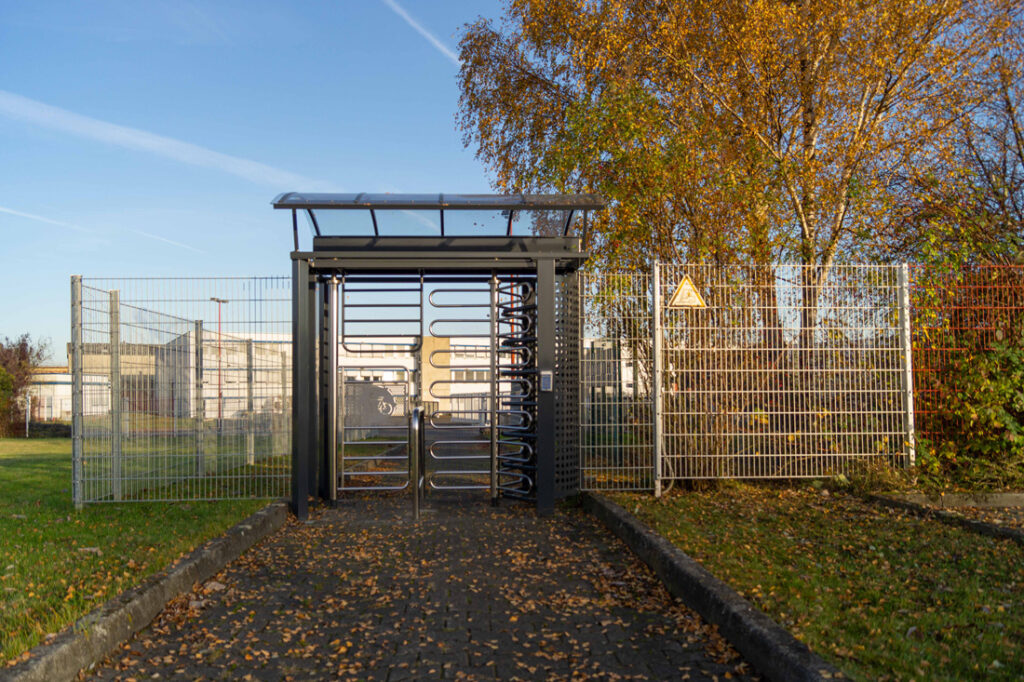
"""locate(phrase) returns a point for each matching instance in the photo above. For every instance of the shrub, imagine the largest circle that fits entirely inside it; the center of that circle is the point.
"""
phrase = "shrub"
(979, 439)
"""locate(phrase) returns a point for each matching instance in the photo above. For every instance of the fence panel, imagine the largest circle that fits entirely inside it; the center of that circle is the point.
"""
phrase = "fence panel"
(958, 318)
(781, 376)
(186, 389)
(616, 406)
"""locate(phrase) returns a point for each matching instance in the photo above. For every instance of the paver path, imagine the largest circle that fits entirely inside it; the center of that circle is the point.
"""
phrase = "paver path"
(469, 592)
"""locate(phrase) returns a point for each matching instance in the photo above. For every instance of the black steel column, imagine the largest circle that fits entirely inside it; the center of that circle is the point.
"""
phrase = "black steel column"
(545, 386)
(324, 313)
(303, 433)
(313, 387)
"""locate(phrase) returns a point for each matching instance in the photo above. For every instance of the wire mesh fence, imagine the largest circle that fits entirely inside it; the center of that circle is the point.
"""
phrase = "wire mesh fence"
(960, 318)
(185, 388)
(616, 403)
(698, 371)
(782, 374)
(691, 371)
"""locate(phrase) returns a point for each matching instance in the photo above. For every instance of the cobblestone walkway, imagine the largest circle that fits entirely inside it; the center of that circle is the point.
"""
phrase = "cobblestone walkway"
(470, 592)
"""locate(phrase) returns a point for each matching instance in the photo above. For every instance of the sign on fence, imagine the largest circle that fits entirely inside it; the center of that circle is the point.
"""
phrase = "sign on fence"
(686, 296)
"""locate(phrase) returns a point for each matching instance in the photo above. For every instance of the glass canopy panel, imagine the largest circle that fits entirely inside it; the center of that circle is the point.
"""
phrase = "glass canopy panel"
(407, 223)
(540, 223)
(392, 222)
(340, 223)
(475, 223)
(483, 200)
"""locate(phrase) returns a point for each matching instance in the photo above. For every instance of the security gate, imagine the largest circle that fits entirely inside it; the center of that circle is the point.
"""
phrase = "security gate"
(477, 326)
(378, 325)
(467, 346)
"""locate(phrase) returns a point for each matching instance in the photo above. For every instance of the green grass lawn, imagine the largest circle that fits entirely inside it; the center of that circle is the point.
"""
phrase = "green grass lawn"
(880, 594)
(57, 564)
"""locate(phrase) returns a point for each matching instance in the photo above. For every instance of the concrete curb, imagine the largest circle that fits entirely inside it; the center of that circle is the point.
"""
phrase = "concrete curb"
(770, 648)
(988, 529)
(100, 632)
(955, 500)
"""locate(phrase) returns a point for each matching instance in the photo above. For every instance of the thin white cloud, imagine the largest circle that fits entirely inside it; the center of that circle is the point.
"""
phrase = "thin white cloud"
(42, 219)
(46, 116)
(168, 241)
(79, 228)
(441, 47)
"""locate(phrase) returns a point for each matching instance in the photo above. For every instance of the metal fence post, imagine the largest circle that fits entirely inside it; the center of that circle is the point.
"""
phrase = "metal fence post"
(493, 371)
(283, 446)
(200, 401)
(77, 388)
(331, 474)
(656, 392)
(116, 426)
(304, 400)
(250, 427)
(907, 351)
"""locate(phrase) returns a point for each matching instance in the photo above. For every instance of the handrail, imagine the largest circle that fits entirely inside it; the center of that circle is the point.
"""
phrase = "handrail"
(416, 457)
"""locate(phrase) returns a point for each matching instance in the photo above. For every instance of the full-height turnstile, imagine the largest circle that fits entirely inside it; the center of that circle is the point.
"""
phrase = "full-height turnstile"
(433, 302)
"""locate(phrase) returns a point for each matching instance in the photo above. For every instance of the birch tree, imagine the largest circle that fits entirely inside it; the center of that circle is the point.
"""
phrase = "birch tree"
(726, 130)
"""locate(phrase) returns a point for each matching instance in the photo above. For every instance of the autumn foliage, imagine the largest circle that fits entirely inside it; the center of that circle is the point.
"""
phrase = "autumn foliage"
(756, 133)
(727, 130)
(18, 357)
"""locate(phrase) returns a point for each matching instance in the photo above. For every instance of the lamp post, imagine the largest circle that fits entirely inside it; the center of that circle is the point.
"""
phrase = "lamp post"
(220, 383)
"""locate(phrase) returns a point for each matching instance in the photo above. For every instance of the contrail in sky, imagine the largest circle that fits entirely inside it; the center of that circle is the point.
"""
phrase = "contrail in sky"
(441, 47)
(46, 116)
(169, 241)
(79, 228)
(41, 219)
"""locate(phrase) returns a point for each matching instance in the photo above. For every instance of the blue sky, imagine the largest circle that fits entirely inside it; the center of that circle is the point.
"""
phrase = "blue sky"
(147, 138)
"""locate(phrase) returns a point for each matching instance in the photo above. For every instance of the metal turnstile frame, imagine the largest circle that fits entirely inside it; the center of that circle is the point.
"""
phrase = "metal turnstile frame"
(550, 260)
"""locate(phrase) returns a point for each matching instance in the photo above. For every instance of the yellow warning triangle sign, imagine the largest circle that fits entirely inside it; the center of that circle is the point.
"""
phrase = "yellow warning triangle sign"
(686, 296)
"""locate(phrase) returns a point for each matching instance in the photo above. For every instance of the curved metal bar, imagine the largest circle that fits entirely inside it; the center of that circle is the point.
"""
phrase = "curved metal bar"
(525, 388)
(435, 417)
(443, 457)
(521, 477)
(316, 225)
(484, 353)
(524, 417)
(525, 321)
(509, 287)
(434, 303)
(568, 224)
(449, 320)
(475, 486)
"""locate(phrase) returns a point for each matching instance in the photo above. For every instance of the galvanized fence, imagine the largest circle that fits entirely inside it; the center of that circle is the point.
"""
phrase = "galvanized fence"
(616, 397)
(698, 371)
(182, 388)
(690, 371)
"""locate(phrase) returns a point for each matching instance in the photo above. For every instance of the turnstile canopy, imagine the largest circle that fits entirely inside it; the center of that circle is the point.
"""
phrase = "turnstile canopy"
(440, 215)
